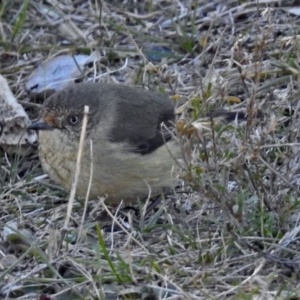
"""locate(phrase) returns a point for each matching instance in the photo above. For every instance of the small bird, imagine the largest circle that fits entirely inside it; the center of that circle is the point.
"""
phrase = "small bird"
(129, 157)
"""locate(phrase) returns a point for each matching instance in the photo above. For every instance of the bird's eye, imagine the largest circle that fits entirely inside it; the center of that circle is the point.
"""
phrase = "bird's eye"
(73, 120)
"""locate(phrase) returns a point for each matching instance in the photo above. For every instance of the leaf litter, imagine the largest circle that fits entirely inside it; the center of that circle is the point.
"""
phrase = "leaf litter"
(231, 229)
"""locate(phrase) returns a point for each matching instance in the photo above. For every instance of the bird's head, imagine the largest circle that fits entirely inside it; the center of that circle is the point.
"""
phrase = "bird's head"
(64, 110)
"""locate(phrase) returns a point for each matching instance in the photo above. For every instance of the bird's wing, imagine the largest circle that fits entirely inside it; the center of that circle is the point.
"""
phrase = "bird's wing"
(139, 124)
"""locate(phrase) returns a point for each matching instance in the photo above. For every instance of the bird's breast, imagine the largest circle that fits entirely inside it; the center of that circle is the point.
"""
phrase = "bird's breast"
(114, 171)
(58, 156)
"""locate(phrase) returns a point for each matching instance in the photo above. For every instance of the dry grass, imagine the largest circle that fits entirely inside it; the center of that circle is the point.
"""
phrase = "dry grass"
(231, 230)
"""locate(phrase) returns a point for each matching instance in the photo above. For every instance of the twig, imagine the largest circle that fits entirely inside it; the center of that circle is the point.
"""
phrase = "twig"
(77, 172)
(87, 192)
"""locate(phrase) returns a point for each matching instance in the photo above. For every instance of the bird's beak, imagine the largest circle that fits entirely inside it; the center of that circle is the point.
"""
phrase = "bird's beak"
(40, 125)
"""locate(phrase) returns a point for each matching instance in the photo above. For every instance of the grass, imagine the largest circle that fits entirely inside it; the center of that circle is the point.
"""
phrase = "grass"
(230, 230)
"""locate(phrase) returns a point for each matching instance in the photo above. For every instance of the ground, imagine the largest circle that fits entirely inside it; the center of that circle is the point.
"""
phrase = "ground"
(230, 229)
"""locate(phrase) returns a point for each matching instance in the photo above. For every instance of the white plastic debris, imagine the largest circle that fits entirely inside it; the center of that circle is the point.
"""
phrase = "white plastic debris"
(56, 73)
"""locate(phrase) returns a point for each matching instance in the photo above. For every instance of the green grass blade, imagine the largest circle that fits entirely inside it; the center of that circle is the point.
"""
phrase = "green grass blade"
(20, 20)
